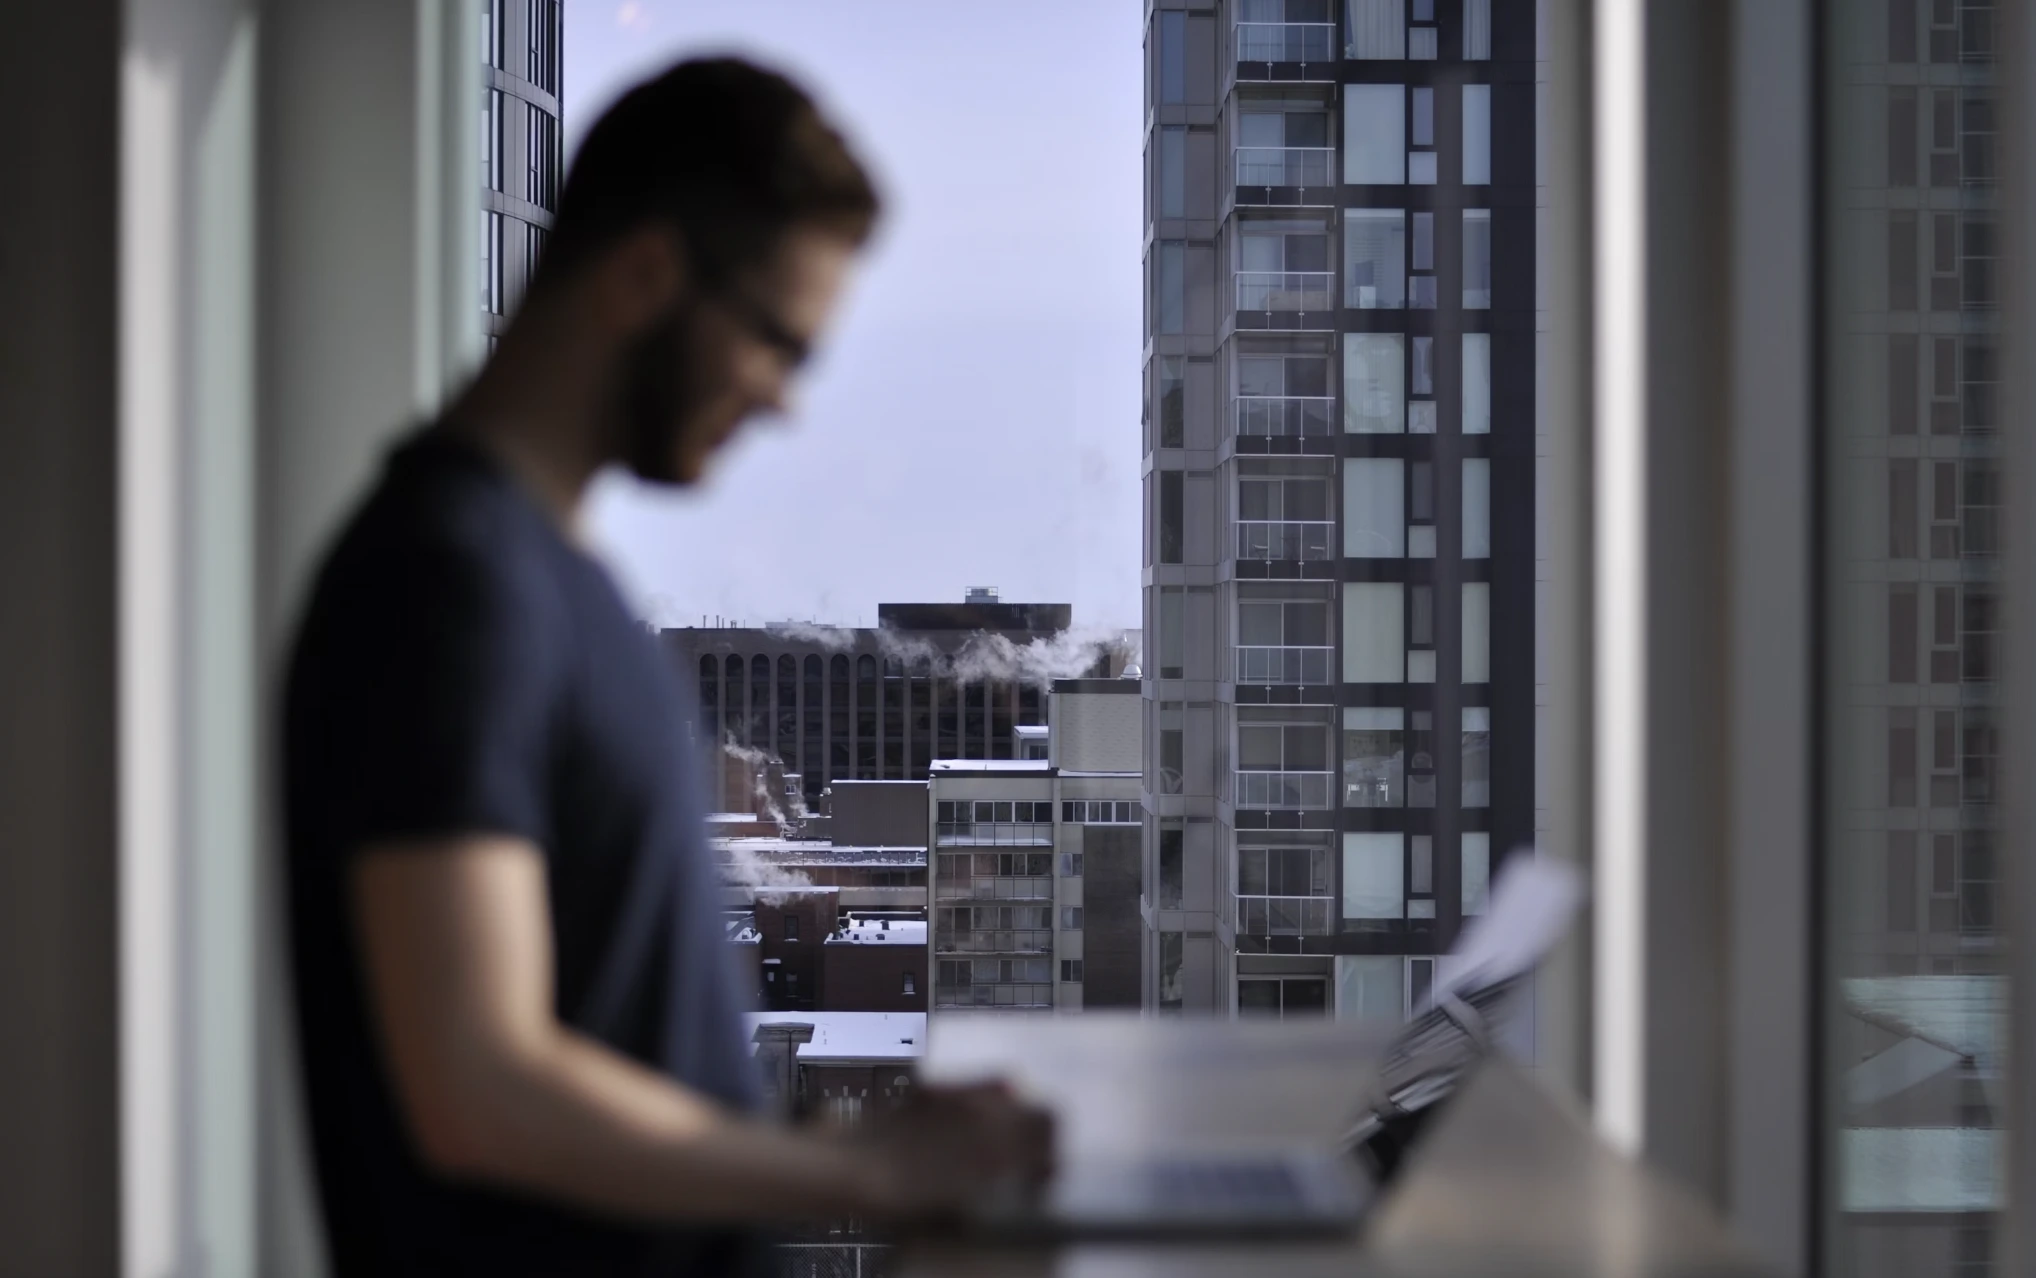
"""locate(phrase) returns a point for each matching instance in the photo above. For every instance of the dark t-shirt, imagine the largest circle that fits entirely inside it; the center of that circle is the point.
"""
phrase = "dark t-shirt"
(463, 669)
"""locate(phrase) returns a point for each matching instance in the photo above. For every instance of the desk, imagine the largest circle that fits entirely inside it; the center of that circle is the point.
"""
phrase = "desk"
(1510, 1182)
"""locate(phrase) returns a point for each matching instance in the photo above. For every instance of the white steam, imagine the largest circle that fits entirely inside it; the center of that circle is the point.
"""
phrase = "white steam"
(832, 638)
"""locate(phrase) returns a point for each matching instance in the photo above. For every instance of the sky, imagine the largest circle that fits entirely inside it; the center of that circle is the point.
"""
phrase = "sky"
(973, 417)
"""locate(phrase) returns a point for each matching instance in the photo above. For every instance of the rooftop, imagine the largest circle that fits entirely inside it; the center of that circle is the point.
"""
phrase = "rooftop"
(852, 1037)
(1034, 767)
(791, 852)
(881, 932)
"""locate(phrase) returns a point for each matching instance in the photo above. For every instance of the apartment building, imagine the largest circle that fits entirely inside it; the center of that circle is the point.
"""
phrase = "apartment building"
(522, 146)
(1037, 863)
(1340, 451)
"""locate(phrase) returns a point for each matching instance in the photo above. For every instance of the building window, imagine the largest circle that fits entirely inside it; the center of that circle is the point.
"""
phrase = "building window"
(491, 263)
(1477, 134)
(1172, 752)
(1169, 971)
(1374, 383)
(1071, 865)
(1172, 840)
(1071, 917)
(1284, 891)
(1374, 756)
(1375, 259)
(543, 64)
(1374, 508)
(541, 142)
(491, 33)
(1477, 508)
(1477, 632)
(1172, 515)
(1477, 259)
(534, 237)
(1902, 263)
(1477, 756)
(1477, 30)
(1282, 766)
(1374, 634)
(911, 984)
(491, 139)
(791, 927)
(1284, 642)
(1172, 632)
(1071, 971)
(1172, 401)
(1173, 172)
(1374, 874)
(1477, 383)
(1377, 31)
(1477, 872)
(1169, 297)
(1173, 56)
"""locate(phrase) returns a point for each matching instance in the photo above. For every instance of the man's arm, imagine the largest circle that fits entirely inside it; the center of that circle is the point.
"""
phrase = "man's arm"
(455, 940)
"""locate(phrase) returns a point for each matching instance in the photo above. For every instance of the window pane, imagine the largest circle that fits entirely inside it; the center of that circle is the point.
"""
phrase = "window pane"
(1477, 508)
(1173, 56)
(1374, 259)
(1477, 383)
(1477, 872)
(1374, 378)
(1173, 172)
(1374, 523)
(1477, 258)
(1377, 30)
(1370, 988)
(1424, 117)
(1172, 502)
(1373, 642)
(1375, 134)
(1373, 875)
(1477, 134)
(1477, 639)
(1169, 307)
(1477, 30)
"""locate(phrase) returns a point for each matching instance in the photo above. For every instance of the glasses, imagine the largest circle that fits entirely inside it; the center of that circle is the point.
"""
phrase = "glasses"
(793, 349)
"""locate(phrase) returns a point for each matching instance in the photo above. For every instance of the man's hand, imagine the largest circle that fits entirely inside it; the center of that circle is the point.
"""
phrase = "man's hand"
(950, 1149)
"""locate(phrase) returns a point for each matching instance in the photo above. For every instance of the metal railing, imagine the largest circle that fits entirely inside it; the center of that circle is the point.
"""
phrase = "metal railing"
(1026, 994)
(1283, 665)
(1284, 915)
(1286, 291)
(994, 833)
(1286, 41)
(1021, 940)
(1283, 789)
(1285, 165)
(1284, 539)
(974, 888)
(1286, 416)
(1374, 783)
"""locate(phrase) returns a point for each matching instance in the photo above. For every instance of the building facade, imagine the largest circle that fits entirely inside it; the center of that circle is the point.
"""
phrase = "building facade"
(522, 145)
(1340, 451)
(1037, 864)
(930, 681)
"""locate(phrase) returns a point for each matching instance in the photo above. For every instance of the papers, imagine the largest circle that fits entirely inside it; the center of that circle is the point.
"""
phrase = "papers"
(1531, 907)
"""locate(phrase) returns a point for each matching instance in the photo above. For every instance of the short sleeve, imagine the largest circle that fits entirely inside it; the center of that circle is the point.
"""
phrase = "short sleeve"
(422, 702)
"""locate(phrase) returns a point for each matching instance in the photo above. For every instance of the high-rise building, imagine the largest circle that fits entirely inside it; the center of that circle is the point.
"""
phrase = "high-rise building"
(1340, 450)
(522, 145)
(1913, 536)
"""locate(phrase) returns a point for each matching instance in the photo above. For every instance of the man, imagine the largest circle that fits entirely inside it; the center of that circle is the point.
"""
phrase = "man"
(515, 1001)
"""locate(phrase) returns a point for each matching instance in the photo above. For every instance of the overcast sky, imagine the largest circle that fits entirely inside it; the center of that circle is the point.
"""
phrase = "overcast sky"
(974, 420)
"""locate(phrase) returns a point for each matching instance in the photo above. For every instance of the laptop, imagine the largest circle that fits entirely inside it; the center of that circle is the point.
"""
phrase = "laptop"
(1323, 1191)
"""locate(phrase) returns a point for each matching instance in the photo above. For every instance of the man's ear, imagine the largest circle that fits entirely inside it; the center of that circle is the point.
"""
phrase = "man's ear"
(643, 273)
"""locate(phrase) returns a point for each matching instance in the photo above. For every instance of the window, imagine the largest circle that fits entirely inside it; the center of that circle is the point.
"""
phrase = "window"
(1169, 971)
(1374, 875)
(910, 984)
(1071, 971)
(1377, 31)
(1477, 134)
(1477, 508)
(1421, 864)
(1901, 880)
(541, 184)
(1977, 166)
(1290, 747)
(1943, 137)
(1902, 508)
(1172, 401)
(1171, 866)
(1477, 30)
(491, 139)
(1173, 57)
(491, 33)
(1421, 511)
(1477, 756)
(1477, 627)
(1374, 134)
(1477, 383)
(1171, 748)
(491, 263)
(1172, 517)
(543, 29)
(1903, 384)
(1477, 259)
(1374, 521)
(1374, 381)
(534, 237)
(1375, 259)
(1071, 917)
(1903, 138)
(1374, 757)
(1282, 641)
(1901, 31)
(1477, 872)
(1169, 304)
(1374, 644)
(1071, 865)
(1172, 632)
(791, 927)
(1173, 172)
(1901, 261)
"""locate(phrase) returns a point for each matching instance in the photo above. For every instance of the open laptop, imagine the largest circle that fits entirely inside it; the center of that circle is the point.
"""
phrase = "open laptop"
(1326, 1190)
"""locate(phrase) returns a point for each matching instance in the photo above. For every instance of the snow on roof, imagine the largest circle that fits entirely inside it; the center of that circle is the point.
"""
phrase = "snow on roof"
(1032, 730)
(1072, 772)
(1042, 766)
(881, 932)
(821, 852)
(852, 1037)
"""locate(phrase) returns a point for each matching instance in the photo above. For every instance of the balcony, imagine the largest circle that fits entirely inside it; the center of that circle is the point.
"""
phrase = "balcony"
(1034, 834)
(1286, 51)
(1284, 539)
(993, 889)
(1283, 790)
(1283, 665)
(1286, 300)
(1031, 994)
(1286, 176)
(1284, 916)
(1023, 940)
(1285, 423)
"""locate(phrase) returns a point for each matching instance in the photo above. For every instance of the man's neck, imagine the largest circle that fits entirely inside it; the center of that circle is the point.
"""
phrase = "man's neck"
(538, 406)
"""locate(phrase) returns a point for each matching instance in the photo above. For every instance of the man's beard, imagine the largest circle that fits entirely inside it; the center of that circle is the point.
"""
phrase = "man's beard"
(657, 397)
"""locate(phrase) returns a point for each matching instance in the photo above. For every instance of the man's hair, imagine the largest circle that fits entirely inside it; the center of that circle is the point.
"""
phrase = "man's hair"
(730, 154)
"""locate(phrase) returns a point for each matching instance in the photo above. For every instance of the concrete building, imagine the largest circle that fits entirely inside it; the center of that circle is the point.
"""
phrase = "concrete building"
(522, 145)
(1037, 863)
(1340, 444)
(948, 681)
